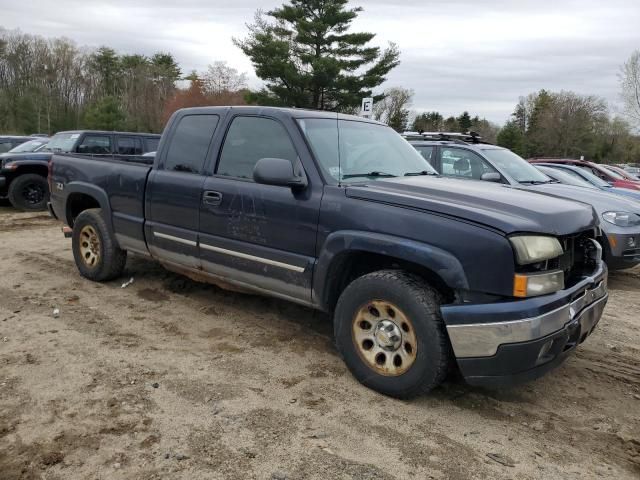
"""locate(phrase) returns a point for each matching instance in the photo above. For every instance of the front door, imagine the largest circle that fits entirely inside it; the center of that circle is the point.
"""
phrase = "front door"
(260, 235)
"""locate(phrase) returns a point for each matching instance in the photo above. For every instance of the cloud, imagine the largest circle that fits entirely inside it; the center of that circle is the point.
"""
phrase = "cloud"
(456, 55)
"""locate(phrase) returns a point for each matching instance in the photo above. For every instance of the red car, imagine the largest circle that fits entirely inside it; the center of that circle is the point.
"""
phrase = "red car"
(605, 174)
(624, 174)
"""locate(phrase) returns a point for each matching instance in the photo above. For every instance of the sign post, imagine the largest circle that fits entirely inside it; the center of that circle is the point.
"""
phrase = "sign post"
(367, 108)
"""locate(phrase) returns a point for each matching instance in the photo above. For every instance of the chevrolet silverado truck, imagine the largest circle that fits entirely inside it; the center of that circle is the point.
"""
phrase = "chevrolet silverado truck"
(422, 273)
(23, 175)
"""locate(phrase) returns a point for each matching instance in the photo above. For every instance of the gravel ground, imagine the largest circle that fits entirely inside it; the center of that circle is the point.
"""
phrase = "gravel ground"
(168, 378)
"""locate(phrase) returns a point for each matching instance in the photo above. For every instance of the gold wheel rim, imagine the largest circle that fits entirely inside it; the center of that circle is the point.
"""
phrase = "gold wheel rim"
(89, 246)
(384, 338)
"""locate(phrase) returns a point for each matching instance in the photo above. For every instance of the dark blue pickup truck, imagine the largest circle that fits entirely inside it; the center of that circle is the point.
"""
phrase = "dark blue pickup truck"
(421, 272)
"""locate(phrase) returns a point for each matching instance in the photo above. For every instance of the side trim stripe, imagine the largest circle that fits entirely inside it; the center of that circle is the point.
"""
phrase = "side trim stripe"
(175, 239)
(233, 253)
(252, 257)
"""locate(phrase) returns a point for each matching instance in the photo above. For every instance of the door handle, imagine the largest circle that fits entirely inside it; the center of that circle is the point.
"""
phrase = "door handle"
(212, 198)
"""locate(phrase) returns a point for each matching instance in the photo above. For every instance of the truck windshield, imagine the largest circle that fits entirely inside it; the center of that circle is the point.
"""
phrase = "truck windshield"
(61, 142)
(366, 150)
(515, 166)
(30, 146)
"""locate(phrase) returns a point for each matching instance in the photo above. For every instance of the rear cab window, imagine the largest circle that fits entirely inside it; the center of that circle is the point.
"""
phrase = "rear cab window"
(190, 142)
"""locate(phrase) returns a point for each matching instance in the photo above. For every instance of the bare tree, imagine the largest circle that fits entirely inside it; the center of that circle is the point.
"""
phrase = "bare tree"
(393, 109)
(221, 78)
(630, 85)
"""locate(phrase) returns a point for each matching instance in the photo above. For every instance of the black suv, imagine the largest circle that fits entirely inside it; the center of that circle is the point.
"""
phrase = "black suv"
(23, 176)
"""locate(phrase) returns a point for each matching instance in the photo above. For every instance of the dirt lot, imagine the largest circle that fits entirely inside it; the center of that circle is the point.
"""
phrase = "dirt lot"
(169, 378)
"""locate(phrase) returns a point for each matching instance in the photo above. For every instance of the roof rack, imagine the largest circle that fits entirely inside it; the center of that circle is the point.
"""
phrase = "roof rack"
(468, 137)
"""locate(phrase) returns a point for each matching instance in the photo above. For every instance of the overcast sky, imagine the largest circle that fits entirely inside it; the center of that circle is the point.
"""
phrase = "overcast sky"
(456, 54)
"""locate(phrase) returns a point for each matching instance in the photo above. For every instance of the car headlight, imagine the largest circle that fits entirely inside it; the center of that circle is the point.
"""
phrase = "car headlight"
(622, 219)
(535, 248)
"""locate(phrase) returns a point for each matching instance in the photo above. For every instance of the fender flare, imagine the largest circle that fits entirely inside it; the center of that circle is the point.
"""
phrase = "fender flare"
(93, 191)
(439, 261)
(29, 163)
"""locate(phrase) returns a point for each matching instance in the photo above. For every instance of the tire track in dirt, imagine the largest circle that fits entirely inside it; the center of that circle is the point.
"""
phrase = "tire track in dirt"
(23, 221)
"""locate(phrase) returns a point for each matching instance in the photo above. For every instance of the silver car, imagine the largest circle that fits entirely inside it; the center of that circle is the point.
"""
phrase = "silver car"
(619, 216)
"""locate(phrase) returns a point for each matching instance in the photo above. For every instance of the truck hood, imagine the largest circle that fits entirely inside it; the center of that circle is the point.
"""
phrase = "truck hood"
(601, 201)
(497, 206)
(16, 157)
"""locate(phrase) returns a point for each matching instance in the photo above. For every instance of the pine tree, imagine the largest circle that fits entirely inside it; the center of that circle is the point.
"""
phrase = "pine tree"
(428, 122)
(308, 58)
(464, 122)
(106, 114)
(511, 137)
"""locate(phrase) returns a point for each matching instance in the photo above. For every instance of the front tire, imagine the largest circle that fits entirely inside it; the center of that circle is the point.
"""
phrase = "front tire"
(29, 192)
(95, 250)
(390, 332)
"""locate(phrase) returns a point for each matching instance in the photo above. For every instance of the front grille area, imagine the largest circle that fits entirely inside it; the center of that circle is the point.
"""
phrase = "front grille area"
(631, 254)
(579, 258)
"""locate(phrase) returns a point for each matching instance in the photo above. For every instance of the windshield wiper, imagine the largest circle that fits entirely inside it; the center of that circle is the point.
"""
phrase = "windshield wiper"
(422, 172)
(375, 173)
(535, 182)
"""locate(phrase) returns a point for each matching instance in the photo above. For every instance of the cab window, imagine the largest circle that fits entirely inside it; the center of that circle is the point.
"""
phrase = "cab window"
(459, 162)
(248, 140)
(152, 144)
(95, 145)
(190, 143)
(427, 152)
(129, 146)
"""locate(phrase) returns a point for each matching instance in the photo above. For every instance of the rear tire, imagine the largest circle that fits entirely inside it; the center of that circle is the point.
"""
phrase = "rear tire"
(29, 192)
(95, 250)
(390, 332)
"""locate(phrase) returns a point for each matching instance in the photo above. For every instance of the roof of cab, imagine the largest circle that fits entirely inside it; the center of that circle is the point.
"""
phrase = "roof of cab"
(452, 143)
(279, 112)
(16, 137)
(144, 134)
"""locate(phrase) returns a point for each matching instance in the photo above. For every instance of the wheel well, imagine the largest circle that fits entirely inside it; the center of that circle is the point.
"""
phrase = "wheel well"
(350, 265)
(78, 203)
(26, 169)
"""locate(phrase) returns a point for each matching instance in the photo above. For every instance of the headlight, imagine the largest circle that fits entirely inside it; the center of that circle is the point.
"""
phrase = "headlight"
(622, 219)
(533, 248)
(534, 284)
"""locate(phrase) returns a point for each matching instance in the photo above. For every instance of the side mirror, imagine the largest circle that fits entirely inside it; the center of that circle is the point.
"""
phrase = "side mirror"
(277, 171)
(491, 177)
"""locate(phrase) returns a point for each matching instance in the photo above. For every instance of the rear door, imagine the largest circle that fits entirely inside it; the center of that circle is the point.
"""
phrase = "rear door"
(174, 189)
(261, 235)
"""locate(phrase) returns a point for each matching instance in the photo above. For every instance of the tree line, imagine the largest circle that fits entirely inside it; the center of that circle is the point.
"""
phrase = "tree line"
(570, 125)
(308, 57)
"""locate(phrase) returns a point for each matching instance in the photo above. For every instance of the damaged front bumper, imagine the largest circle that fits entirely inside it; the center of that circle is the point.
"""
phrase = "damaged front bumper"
(510, 342)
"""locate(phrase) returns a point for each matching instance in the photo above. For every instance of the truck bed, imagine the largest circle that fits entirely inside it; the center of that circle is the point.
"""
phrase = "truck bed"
(124, 180)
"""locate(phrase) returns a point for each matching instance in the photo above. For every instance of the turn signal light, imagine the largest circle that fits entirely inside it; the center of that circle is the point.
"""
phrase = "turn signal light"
(536, 284)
